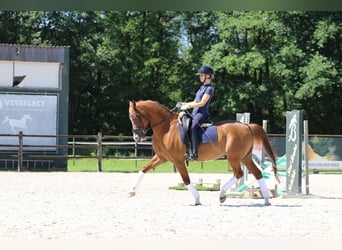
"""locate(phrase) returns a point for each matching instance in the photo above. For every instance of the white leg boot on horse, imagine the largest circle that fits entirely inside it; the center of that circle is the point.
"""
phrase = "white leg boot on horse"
(264, 191)
(194, 193)
(155, 161)
(136, 183)
(226, 187)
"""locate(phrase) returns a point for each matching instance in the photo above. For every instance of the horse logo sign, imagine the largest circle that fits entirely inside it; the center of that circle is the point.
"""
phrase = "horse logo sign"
(18, 124)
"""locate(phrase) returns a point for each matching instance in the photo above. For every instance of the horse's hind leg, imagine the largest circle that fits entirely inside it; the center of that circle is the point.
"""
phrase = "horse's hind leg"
(155, 161)
(258, 175)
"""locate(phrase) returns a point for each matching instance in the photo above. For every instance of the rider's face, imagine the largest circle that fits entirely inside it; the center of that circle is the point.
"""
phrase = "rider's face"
(204, 77)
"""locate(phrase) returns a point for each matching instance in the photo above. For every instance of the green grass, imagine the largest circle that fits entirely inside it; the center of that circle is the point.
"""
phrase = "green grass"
(131, 166)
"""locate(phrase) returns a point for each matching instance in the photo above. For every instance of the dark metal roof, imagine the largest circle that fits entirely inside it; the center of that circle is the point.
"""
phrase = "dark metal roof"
(32, 53)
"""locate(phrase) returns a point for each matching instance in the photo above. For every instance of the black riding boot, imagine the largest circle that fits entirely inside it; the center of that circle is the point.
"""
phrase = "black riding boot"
(194, 145)
(188, 146)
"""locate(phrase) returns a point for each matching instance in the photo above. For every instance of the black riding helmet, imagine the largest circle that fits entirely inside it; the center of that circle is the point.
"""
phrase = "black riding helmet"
(205, 70)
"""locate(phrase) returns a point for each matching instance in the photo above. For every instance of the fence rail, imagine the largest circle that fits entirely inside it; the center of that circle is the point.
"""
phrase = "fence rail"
(15, 148)
(78, 146)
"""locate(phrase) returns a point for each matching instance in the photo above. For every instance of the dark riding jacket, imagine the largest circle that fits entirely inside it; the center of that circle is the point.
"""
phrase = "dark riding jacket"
(204, 89)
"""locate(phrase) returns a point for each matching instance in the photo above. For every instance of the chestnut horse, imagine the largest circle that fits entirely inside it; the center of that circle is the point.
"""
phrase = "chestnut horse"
(235, 141)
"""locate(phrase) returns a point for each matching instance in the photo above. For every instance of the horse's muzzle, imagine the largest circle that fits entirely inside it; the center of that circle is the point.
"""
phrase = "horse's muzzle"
(138, 138)
(139, 134)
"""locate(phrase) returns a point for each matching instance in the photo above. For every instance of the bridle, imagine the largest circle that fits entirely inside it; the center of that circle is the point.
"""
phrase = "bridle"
(141, 130)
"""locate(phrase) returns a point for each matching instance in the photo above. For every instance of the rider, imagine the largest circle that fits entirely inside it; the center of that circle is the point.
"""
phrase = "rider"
(200, 106)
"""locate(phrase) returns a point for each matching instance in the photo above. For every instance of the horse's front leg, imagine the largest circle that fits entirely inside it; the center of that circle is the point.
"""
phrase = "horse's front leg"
(226, 187)
(238, 173)
(186, 179)
(155, 161)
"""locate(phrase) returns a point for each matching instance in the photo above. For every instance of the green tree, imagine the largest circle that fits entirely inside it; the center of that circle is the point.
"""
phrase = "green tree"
(318, 89)
(245, 57)
(198, 35)
(20, 27)
(266, 62)
(141, 54)
(272, 62)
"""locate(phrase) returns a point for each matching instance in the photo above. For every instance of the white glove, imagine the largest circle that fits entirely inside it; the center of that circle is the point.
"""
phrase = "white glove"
(185, 107)
(179, 104)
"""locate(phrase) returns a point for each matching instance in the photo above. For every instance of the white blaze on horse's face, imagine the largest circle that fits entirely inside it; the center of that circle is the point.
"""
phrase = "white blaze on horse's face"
(139, 130)
(139, 137)
(139, 134)
(136, 137)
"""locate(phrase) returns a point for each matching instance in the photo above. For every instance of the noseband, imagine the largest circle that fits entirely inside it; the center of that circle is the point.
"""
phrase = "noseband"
(141, 130)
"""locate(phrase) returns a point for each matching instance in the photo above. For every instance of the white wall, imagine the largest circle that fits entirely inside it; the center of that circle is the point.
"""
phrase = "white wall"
(37, 74)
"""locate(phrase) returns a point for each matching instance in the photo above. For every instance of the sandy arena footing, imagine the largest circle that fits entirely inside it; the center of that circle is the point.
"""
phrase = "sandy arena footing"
(96, 206)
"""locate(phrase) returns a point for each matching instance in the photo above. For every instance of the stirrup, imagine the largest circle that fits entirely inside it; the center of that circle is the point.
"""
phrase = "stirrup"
(194, 157)
(191, 157)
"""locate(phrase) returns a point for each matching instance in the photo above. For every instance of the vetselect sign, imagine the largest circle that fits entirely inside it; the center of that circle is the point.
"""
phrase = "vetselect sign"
(31, 114)
(22, 103)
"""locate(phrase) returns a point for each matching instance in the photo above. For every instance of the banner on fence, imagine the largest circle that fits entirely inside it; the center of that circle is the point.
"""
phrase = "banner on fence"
(32, 114)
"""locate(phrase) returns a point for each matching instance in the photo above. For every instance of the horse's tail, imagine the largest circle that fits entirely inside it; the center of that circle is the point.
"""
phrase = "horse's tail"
(260, 134)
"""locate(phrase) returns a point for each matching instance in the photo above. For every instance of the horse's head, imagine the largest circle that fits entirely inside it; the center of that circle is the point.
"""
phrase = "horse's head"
(139, 123)
(27, 117)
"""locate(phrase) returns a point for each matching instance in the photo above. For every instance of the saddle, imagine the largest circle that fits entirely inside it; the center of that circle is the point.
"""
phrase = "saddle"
(185, 119)
(206, 135)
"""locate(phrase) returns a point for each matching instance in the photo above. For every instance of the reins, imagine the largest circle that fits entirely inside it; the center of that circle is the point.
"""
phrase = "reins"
(145, 130)
(164, 119)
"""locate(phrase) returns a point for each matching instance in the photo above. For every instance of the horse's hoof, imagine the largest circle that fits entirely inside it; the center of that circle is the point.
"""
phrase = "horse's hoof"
(267, 202)
(131, 194)
(223, 198)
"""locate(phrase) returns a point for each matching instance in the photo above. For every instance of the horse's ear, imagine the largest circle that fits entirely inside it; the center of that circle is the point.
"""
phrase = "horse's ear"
(132, 103)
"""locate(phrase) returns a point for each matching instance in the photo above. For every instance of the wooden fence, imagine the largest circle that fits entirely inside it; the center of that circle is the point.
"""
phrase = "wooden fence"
(78, 146)
(87, 146)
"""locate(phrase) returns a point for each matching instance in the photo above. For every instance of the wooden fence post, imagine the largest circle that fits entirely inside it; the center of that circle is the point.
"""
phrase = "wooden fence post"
(136, 154)
(99, 151)
(20, 151)
(73, 150)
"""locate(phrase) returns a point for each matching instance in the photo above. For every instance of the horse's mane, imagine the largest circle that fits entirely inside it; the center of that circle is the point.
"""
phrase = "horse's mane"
(158, 104)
